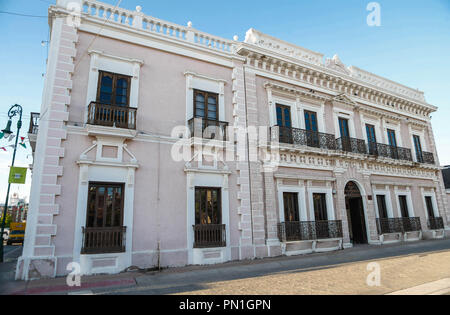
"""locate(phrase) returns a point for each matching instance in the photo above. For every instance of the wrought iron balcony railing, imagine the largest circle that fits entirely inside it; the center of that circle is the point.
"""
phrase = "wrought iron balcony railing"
(398, 225)
(305, 137)
(210, 235)
(309, 230)
(388, 151)
(425, 158)
(208, 129)
(34, 123)
(436, 223)
(111, 116)
(351, 145)
(103, 240)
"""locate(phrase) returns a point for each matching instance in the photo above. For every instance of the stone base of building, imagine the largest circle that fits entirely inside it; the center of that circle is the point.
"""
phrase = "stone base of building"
(309, 247)
(33, 268)
(434, 235)
(210, 256)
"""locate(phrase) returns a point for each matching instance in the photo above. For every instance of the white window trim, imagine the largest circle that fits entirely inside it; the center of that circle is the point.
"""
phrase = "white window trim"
(375, 122)
(196, 179)
(387, 196)
(396, 128)
(409, 202)
(115, 64)
(112, 174)
(329, 199)
(274, 100)
(200, 82)
(301, 191)
(421, 135)
(431, 194)
(318, 108)
(346, 114)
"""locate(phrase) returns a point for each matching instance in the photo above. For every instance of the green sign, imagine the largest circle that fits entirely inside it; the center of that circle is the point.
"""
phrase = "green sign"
(17, 175)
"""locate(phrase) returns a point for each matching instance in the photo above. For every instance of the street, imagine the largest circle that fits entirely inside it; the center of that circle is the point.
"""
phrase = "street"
(418, 268)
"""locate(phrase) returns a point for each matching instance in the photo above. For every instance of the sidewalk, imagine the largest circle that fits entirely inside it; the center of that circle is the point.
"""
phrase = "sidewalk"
(325, 268)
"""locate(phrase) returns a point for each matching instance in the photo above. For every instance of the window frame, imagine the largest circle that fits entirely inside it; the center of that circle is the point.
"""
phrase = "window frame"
(122, 204)
(206, 95)
(115, 78)
(292, 206)
(219, 205)
(323, 212)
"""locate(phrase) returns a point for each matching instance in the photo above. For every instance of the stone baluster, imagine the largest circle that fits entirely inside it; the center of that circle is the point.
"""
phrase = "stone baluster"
(138, 18)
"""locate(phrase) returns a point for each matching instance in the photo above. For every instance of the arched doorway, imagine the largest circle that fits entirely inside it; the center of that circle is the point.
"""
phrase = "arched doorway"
(355, 214)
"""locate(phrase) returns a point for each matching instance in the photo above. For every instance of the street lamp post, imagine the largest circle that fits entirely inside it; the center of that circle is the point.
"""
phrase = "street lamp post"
(13, 111)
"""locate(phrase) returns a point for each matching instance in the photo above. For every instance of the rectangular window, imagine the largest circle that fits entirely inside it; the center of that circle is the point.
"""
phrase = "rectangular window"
(382, 210)
(343, 127)
(403, 206)
(206, 105)
(418, 148)
(430, 208)
(208, 208)
(311, 121)
(113, 89)
(391, 138)
(371, 139)
(320, 207)
(105, 205)
(284, 116)
(291, 207)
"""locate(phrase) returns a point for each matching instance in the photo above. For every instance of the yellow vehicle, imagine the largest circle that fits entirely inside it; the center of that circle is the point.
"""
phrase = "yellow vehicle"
(16, 233)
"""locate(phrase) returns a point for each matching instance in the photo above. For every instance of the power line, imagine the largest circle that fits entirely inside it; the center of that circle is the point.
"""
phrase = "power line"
(24, 15)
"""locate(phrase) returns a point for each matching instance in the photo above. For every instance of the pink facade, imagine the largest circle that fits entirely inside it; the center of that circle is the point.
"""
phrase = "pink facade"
(299, 201)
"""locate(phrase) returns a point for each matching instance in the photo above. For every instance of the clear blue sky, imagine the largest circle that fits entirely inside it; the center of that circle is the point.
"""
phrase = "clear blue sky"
(411, 47)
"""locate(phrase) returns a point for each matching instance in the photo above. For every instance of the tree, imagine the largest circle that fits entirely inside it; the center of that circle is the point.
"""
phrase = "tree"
(8, 220)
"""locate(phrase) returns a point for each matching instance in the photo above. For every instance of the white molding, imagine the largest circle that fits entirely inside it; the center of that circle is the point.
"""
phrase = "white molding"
(301, 191)
(431, 194)
(101, 61)
(409, 202)
(195, 81)
(205, 179)
(346, 114)
(313, 107)
(375, 122)
(387, 196)
(293, 105)
(328, 191)
(396, 127)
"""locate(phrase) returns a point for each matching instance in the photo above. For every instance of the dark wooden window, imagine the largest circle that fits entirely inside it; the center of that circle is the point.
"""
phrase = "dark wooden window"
(113, 89)
(391, 138)
(343, 127)
(206, 105)
(418, 147)
(430, 208)
(403, 206)
(311, 121)
(208, 208)
(284, 116)
(105, 205)
(382, 210)
(291, 207)
(320, 207)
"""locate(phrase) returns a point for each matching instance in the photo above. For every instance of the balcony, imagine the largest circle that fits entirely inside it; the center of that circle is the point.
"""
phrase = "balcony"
(436, 223)
(111, 116)
(305, 137)
(388, 151)
(351, 145)
(208, 129)
(103, 240)
(209, 235)
(309, 230)
(398, 225)
(426, 158)
(34, 123)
